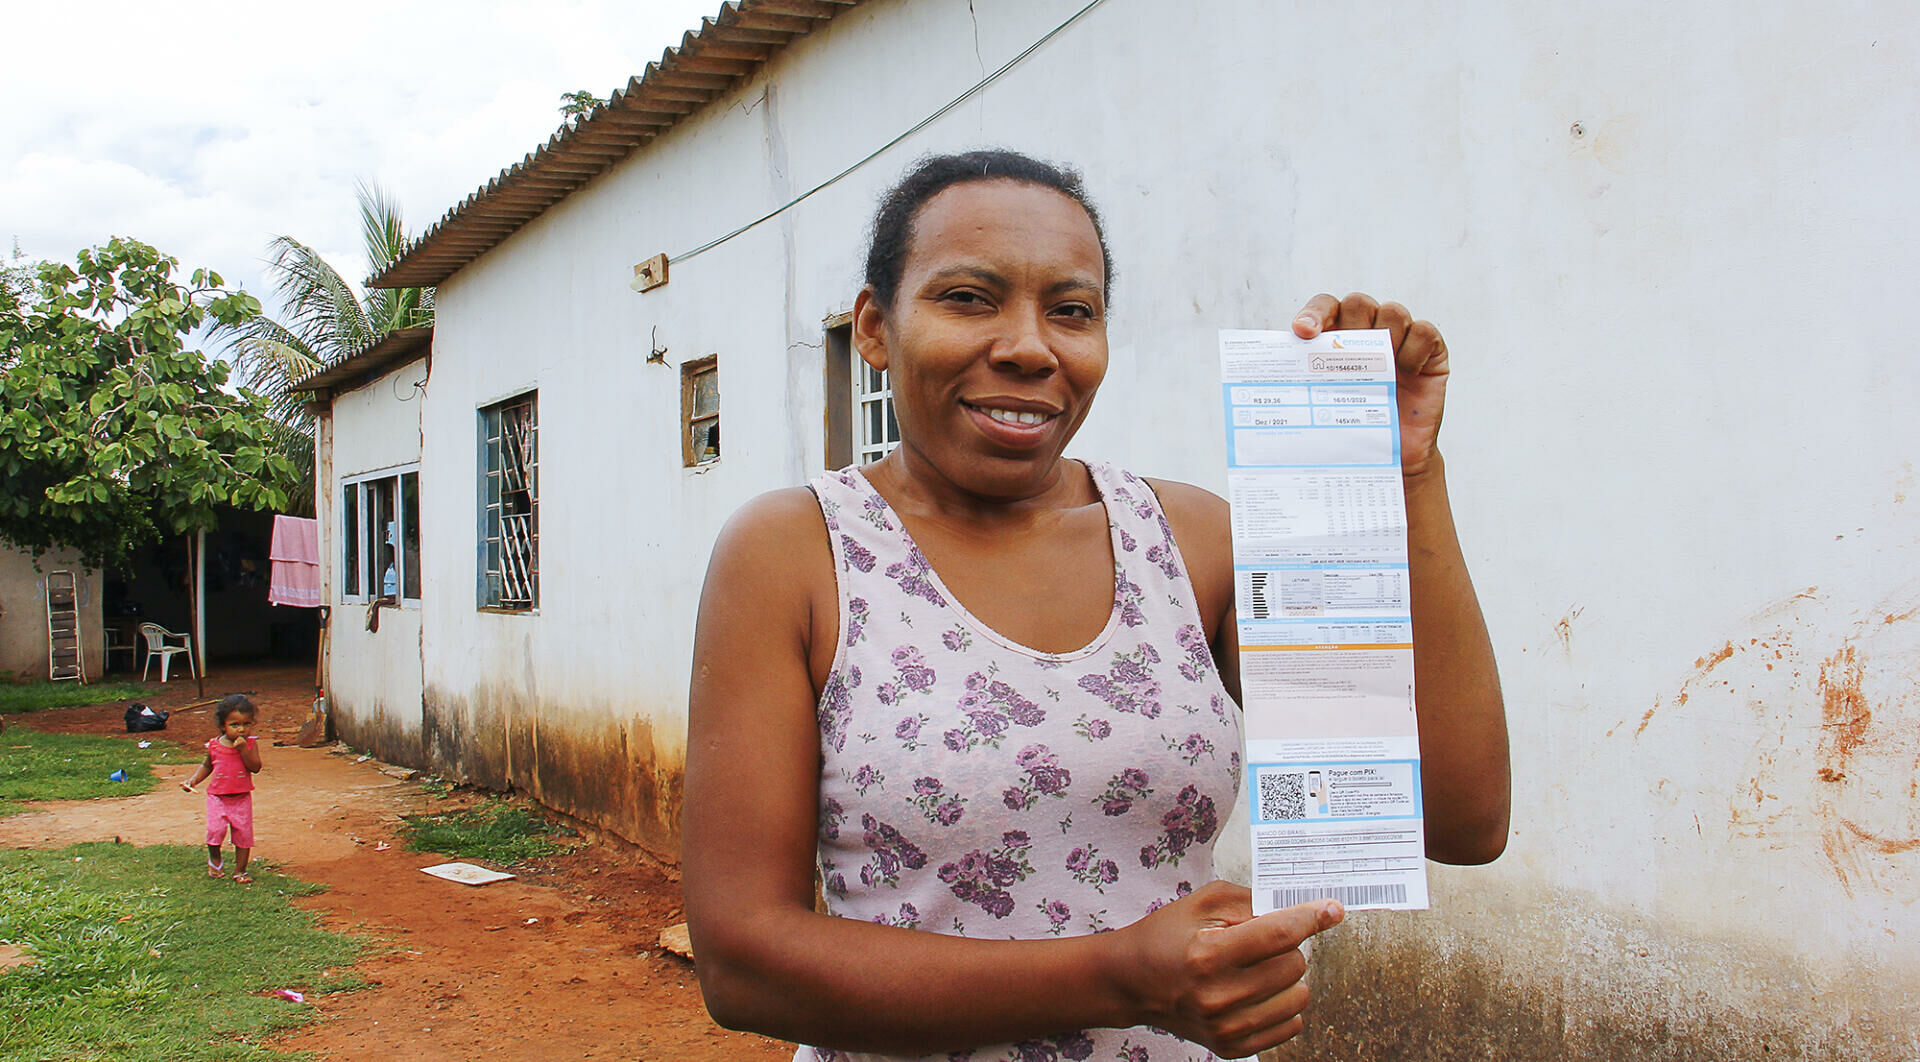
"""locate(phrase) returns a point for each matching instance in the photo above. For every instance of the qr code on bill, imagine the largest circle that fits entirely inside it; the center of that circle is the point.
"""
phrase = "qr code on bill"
(1283, 796)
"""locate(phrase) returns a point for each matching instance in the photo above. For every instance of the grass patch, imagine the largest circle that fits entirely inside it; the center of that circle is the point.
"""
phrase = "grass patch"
(34, 696)
(36, 766)
(494, 831)
(139, 956)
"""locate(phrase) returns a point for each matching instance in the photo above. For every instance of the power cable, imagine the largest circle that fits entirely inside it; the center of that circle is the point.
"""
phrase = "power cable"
(882, 149)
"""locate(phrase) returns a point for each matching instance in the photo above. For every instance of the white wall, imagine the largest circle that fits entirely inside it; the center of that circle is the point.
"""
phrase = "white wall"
(373, 677)
(1663, 243)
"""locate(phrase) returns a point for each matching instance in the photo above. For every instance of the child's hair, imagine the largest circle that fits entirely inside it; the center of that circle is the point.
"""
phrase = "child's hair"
(235, 702)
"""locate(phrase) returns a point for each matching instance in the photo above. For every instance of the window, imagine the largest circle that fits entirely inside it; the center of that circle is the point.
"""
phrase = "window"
(876, 433)
(380, 536)
(860, 423)
(510, 505)
(350, 540)
(700, 409)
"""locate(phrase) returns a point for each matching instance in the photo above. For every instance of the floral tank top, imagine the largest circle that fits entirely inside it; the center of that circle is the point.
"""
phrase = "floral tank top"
(973, 786)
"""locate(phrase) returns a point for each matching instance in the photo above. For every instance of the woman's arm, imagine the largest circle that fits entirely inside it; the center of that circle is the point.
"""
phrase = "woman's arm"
(768, 962)
(1462, 717)
(1465, 772)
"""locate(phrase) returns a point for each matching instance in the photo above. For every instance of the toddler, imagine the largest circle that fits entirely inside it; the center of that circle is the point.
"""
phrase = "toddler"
(232, 759)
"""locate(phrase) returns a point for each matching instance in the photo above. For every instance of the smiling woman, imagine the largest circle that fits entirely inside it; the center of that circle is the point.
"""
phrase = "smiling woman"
(995, 337)
(987, 693)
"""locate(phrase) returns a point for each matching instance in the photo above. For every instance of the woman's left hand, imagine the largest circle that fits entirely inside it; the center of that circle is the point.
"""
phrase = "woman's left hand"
(1421, 356)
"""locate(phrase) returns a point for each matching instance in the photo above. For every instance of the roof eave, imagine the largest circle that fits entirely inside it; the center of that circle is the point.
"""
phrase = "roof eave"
(397, 347)
(715, 59)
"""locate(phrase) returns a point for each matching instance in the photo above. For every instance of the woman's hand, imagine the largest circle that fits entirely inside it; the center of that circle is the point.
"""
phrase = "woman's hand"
(1421, 356)
(1213, 973)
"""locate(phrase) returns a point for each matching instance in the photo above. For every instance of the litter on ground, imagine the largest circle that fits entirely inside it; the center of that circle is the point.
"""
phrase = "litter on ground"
(466, 873)
(675, 939)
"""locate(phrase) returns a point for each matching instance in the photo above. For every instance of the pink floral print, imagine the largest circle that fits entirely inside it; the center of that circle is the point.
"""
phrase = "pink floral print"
(997, 790)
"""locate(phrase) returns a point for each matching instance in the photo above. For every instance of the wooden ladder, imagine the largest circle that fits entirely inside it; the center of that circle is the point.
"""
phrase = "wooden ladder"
(64, 660)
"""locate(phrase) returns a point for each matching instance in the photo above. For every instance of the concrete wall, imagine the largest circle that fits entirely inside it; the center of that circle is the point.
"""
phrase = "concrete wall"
(1661, 241)
(23, 613)
(373, 677)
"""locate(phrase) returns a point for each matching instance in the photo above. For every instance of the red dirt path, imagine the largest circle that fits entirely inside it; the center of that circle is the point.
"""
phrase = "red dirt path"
(562, 962)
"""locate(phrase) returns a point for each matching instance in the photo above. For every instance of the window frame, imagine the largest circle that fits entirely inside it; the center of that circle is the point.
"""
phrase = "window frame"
(363, 572)
(493, 504)
(690, 418)
(850, 391)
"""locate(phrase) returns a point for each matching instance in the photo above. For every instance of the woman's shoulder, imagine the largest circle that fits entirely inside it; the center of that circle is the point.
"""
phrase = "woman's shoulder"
(1201, 521)
(1189, 502)
(1202, 528)
(773, 526)
(781, 511)
(772, 560)
(1199, 517)
(774, 537)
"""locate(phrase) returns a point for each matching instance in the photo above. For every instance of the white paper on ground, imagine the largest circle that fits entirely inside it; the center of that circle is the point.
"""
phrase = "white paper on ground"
(466, 873)
(1325, 619)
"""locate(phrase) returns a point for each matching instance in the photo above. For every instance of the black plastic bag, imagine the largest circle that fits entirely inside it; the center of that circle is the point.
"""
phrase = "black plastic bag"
(141, 719)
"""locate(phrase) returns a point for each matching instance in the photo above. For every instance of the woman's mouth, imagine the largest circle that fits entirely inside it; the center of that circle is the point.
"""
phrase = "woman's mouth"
(1018, 417)
(1011, 427)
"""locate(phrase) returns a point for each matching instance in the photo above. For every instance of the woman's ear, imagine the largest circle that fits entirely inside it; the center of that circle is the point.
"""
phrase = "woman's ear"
(870, 329)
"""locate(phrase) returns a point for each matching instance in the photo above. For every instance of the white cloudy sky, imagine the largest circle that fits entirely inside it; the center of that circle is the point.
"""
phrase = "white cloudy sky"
(208, 128)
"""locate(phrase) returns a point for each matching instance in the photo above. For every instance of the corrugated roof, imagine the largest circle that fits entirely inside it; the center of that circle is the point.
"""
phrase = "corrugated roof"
(390, 348)
(711, 61)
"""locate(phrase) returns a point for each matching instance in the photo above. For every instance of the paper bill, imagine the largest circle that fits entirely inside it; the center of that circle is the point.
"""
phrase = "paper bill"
(1325, 619)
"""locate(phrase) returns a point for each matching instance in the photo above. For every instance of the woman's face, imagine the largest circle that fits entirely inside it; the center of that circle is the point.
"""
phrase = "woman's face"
(997, 339)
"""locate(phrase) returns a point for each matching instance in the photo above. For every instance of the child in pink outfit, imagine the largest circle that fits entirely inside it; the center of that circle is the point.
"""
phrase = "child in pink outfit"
(232, 759)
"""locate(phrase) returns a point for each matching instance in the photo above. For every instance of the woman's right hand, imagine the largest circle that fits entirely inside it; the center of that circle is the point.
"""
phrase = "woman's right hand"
(1207, 970)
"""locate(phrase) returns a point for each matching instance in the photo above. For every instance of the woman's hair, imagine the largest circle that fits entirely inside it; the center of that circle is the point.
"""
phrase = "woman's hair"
(234, 703)
(892, 233)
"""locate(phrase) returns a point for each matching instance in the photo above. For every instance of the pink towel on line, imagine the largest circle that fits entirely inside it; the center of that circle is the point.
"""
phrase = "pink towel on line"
(295, 553)
(295, 538)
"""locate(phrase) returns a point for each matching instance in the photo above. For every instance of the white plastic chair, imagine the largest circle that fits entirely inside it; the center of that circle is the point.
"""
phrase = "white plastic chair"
(156, 637)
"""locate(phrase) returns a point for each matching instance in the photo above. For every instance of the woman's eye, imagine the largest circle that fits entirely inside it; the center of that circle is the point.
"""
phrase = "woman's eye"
(970, 298)
(1075, 309)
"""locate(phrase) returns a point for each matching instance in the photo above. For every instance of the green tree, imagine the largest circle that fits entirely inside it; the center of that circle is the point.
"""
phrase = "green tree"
(577, 103)
(322, 321)
(112, 430)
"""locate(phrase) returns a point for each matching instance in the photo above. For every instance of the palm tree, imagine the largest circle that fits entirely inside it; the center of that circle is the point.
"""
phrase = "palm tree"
(323, 319)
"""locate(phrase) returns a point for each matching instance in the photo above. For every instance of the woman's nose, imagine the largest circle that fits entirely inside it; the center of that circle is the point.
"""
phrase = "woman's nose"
(1024, 347)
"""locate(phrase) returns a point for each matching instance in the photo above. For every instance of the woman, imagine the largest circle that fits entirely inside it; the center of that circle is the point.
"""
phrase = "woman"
(985, 690)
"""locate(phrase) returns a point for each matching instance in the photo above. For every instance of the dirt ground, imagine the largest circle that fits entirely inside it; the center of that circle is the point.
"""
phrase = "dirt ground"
(563, 962)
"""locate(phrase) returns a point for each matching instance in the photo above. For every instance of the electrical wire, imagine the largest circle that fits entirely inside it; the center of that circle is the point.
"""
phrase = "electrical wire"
(882, 149)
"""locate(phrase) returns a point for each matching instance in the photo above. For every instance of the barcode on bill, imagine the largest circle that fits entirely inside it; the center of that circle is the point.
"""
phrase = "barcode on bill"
(1351, 895)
